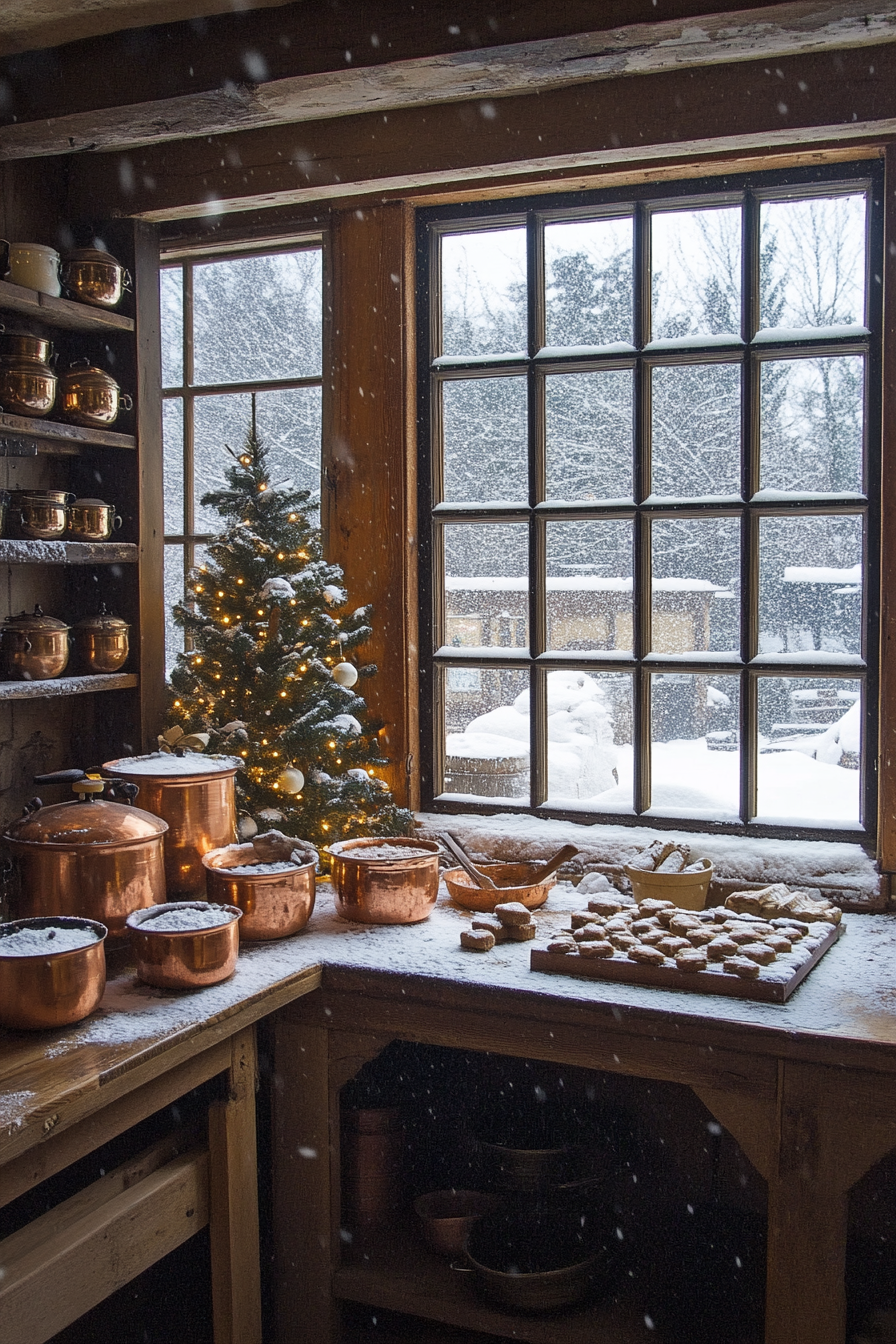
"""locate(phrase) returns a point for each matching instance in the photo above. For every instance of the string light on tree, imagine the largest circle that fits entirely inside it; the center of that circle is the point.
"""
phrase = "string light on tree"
(262, 679)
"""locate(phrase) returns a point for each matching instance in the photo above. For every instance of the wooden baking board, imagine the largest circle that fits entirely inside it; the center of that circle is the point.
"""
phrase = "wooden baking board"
(627, 972)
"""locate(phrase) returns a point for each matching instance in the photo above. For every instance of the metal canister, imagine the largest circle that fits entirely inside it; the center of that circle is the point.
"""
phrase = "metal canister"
(33, 647)
(195, 795)
(102, 642)
(372, 1158)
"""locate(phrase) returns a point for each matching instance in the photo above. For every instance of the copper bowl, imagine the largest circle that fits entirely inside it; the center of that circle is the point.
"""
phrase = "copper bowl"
(188, 958)
(510, 879)
(274, 905)
(385, 891)
(52, 989)
(447, 1217)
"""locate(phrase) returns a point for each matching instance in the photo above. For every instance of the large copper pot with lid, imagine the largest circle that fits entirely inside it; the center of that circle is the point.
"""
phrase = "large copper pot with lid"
(102, 642)
(90, 396)
(195, 795)
(93, 276)
(91, 857)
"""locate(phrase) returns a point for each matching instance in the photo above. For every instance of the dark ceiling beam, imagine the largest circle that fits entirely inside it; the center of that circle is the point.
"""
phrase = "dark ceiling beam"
(799, 101)
(771, 33)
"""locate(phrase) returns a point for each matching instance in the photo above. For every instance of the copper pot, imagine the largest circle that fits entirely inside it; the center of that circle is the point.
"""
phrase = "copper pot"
(195, 795)
(27, 387)
(91, 520)
(91, 857)
(91, 397)
(95, 277)
(33, 647)
(16, 345)
(51, 989)
(274, 905)
(187, 959)
(385, 891)
(39, 514)
(102, 642)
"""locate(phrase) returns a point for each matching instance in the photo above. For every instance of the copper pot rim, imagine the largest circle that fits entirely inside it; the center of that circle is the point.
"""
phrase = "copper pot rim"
(138, 918)
(106, 846)
(119, 771)
(336, 850)
(54, 921)
(257, 879)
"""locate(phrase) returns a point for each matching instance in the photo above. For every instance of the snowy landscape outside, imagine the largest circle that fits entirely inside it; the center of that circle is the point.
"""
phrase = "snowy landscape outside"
(812, 268)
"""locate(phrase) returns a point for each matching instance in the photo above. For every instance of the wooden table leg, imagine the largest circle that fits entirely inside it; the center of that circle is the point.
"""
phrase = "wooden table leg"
(833, 1127)
(233, 1220)
(303, 1250)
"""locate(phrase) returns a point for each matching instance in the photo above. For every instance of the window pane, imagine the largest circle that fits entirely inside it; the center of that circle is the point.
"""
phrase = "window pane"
(486, 726)
(810, 587)
(812, 262)
(696, 586)
(589, 433)
(171, 305)
(588, 282)
(485, 437)
(486, 585)
(810, 749)
(288, 423)
(811, 423)
(695, 448)
(589, 740)
(484, 292)
(695, 757)
(173, 446)
(589, 582)
(257, 318)
(695, 273)
(174, 592)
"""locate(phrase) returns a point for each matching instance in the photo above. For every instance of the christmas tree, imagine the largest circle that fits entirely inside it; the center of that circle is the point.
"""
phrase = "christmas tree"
(268, 674)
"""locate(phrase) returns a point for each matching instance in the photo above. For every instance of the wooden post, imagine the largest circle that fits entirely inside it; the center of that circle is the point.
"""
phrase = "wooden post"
(369, 505)
(233, 1221)
(304, 1253)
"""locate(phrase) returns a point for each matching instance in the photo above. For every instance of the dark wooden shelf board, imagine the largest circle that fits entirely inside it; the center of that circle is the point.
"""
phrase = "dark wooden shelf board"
(402, 1275)
(61, 313)
(60, 687)
(23, 437)
(67, 553)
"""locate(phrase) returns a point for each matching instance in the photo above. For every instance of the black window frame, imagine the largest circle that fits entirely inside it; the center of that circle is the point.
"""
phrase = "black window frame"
(433, 515)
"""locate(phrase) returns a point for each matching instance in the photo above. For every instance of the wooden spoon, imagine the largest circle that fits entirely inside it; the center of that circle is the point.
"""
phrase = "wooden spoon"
(456, 848)
(567, 852)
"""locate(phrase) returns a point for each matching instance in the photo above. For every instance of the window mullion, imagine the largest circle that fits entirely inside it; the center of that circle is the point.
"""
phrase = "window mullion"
(748, 726)
(641, 567)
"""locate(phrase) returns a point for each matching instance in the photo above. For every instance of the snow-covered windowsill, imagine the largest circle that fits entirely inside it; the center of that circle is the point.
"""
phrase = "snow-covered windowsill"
(834, 866)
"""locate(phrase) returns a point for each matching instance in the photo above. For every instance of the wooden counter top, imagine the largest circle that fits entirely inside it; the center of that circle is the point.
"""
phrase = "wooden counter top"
(844, 1014)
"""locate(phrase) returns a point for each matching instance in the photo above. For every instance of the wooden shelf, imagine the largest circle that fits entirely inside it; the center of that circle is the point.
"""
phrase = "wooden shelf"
(400, 1274)
(61, 313)
(24, 437)
(65, 686)
(68, 553)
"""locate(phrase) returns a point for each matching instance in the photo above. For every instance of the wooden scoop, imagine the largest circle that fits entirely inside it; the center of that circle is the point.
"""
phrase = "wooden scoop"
(567, 852)
(455, 848)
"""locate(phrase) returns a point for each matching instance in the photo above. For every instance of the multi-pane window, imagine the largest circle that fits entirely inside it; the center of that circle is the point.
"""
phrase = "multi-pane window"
(650, 575)
(233, 328)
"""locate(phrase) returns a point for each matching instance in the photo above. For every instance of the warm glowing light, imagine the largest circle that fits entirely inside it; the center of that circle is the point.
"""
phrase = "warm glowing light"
(292, 601)
(217, 676)
(282, 695)
(338, 760)
(275, 753)
(332, 745)
(225, 620)
(196, 662)
(244, 753)
(262, 487)
(220, 594)
(177, 704)
(370, 772)
(264, 741)
(293, 517)
(280, 555)
(326, 826)
(260, 612)
(306, 622)
(199, 588)
(304, 667)
(245, 460)
(239, 580)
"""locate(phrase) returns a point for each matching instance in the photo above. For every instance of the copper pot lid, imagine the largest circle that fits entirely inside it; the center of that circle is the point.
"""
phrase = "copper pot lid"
(99, 822)
(90, 504)
(84, 374)
(91, 254)
(35, 622)
(103, 622)
(167, 767)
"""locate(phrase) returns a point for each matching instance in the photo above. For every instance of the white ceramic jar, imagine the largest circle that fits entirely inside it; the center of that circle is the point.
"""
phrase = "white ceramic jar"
(35, 266)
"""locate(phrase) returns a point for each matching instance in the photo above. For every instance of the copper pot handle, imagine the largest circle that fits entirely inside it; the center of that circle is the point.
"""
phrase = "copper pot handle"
(126, 281)
(126, 401)
(116, 522)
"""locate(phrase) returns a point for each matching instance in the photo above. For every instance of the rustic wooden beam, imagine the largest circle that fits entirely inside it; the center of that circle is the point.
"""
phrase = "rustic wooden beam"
(772, 33)
(819, 99)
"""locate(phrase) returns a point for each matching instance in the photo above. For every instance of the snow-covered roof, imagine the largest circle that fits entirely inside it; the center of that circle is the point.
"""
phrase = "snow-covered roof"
(589, 583)
(821, 574)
